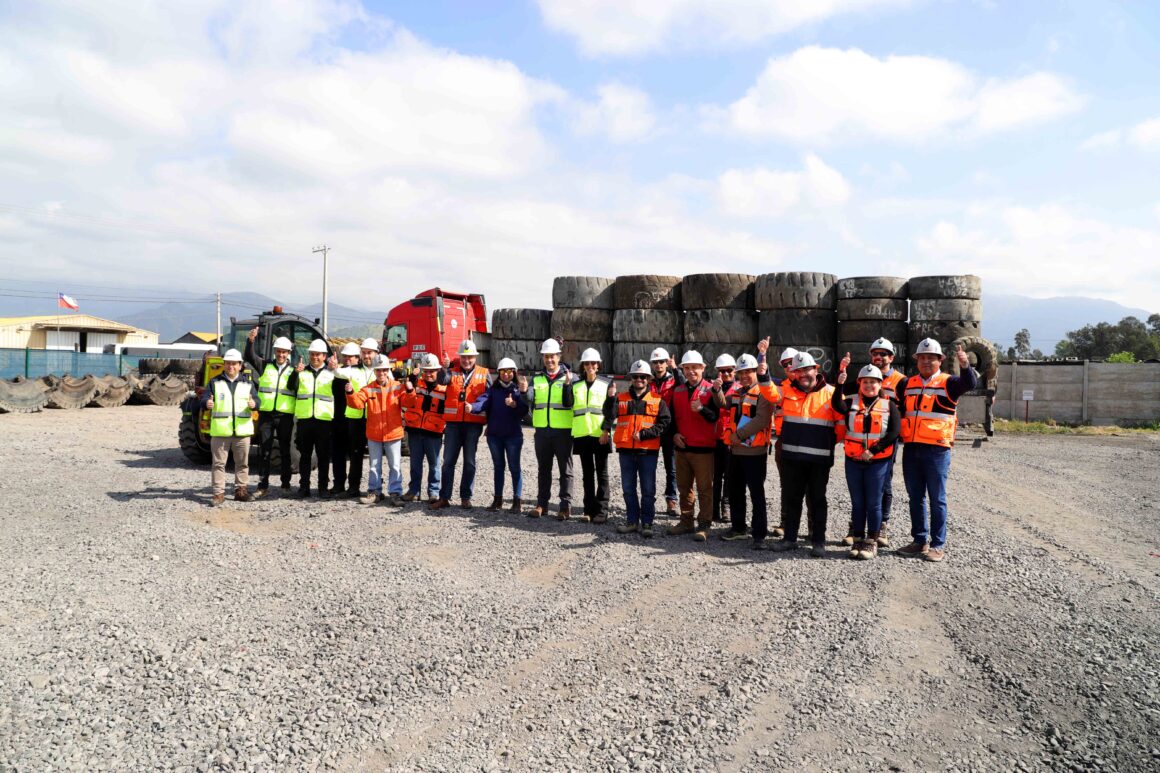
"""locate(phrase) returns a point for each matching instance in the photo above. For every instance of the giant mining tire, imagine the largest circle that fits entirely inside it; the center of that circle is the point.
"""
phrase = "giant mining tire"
(647, 291)
(152, 366)
(867, 287)
(872, 308)
(624, 354)
(942, 331)
(711, 351)
(646, 325)
(141, 386)
(982, 355)
(582, 292)
(112, 392)
(815, 327)
(582, 324)
(966, 286)
(571, 351)
(717, 291)
(195, 448)
(870, 330)
(22, 396)
(295, 456)
(166, 391)
(182, 366)
(945, 309)
(526, 353)
(794, 290)
(70, 393)
(526, 324)
(823, 355)
(720, 326)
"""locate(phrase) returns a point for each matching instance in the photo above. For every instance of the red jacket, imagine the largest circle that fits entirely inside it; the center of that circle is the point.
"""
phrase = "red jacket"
(699, 429)
(723, 414)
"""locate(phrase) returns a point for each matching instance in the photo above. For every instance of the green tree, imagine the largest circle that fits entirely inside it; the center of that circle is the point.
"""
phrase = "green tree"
(1125, 357)
(1023, 344)
(1094, 342)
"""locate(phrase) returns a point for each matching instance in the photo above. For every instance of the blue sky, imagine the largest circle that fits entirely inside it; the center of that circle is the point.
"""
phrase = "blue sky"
(492, 146)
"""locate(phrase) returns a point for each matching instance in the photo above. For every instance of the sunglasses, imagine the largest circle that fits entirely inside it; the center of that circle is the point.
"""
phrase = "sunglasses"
(724, 370)
(640, 378)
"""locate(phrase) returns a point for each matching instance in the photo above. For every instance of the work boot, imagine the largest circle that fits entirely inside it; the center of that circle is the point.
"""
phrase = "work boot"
(856, 549)
(784, 545)
(395, 500)
(517, 505)
(733, 536)
(241, 494)
(883, 541)
(818, 550)
(495, 505)
(934, 554)
(626, 528)
(261, 493)
(325, 493)
(914, 549)
(465, 504)
(850, 537)
(372, 498)
(302, 493)
(600, 517)
(701, 535)
(218, 500)
(536, 512)
(646, 531)
(777, 531)
(671, 510)
(869, 548)
(680, 528)
(409, 497)
(439, 504)
(564, 513)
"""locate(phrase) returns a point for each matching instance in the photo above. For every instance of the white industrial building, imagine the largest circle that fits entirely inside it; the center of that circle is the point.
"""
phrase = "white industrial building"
(69, 332)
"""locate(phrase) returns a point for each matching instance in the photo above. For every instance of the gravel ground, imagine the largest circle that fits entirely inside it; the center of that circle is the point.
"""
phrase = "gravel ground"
(141, 629)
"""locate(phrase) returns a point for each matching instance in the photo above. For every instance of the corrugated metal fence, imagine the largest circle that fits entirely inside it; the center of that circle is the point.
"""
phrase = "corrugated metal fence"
(34, 363)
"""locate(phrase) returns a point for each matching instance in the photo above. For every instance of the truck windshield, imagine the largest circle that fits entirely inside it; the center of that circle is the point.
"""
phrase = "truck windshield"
(396, 336)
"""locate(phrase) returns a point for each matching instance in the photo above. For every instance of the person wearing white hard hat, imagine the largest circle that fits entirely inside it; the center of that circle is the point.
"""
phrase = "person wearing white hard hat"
(593, 417)
(423, 416)
(314, 411)
(356, 376)
(695, 438)
(505, 408)
(348, 357)
(810, 428)
(749, 433)
(872, 427)
(724, 385)
(929, 420)
(229, 398)
(550, 400)
(666, 378)
(465, 383)
(641, 420)
(275, 409)
(382, 400)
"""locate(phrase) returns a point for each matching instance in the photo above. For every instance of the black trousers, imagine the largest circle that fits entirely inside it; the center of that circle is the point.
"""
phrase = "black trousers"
(356, 451)
(339, 442)
(313, 438)
(273, 424)
(747, 473)
(804, 481)
(594, 468)
(720, 480)
(553, 445)
(669, 457)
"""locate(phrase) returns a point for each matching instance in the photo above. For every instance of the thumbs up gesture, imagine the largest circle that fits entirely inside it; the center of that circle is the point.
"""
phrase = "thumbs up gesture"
(509, 401)
(961, 354)
(523, 382)
(209, 403)
(251, 404)
(845, 363)
(301, 366)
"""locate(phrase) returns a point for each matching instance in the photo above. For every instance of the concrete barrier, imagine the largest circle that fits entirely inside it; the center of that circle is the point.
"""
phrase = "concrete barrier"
(1079, 392)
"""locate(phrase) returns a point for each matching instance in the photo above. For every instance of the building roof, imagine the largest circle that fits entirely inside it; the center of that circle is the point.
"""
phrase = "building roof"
(70, 321)
(209, 338)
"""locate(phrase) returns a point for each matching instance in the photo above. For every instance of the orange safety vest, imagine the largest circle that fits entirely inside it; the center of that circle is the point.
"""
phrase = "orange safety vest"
(930, 415)
(723, 416)
(425, 407)
(628, 424)
(810, 427)
(875, 420)
(890, 384)
(463, 391)
(743, 402)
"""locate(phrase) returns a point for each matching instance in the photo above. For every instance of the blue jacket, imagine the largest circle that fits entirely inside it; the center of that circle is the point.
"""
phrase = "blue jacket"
(502, 421)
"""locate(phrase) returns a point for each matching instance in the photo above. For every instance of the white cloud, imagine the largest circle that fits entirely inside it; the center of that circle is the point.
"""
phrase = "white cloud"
(622, 114)
(627, 27)
(762, 192)
(1143, 136)
(1146, 134)
(1108, 139)
(817, 94)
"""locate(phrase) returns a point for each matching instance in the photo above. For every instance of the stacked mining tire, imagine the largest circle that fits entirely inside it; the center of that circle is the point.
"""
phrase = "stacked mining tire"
(518, 334)
(869, 308)
(947, 309)
(646, 314)
(796, 310)
(582, 309)
(719, 315)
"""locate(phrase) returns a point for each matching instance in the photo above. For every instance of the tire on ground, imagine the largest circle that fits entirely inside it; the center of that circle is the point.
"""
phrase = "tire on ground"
(965, 286)
(169, 390)
(70, 393)
(521, 324)
(582, 324)
(646, 325)
(816, 327)
(582, 292)
(573, 349)
(182, 366)
(717, 291)
(872, 308)
(647, 291)
(945, 310)
(151, 366)
(866, 287)
(794, 290)
(870, 330)
(526, 353)
(624, 354)
(823, 355)
(720, 326)
(22, 396)
(113, 392)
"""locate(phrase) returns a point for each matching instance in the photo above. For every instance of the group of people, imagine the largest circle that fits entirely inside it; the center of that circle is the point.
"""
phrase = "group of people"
(714, 437)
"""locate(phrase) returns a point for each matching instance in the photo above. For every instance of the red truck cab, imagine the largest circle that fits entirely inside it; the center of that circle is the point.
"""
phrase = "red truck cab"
(435, 321)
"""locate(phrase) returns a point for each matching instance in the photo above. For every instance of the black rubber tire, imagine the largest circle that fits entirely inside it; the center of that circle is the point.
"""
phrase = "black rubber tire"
(276, 455)
(625, 354)
(582, 292)
(70, 393)
(647, 291)
(166, 391)
(521, 324)
(526, 353)
(482, 340)
(966, 286)
(183, 367)
(943, 332)
(816, 327)
(582, 324)
(22, 396)
(573, 349)
(646, 325)
(866, 330)
(720, 326)
(717, 291)
(151, 366)
(945, 310)
(868, 287)
(890, 309)
(794, 290)
(141, 386)
(823, 355)
(113, 392)
(190, 440)
(711, 351)
(983, 356)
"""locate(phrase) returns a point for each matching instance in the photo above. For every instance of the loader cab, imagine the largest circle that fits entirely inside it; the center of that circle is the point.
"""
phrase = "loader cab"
(271, 326)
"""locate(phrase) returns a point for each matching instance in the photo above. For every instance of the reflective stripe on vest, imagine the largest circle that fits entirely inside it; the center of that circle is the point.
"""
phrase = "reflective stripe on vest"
(463, 391)
(548, 403)
(809, 425)
(231, 415)
(628, 424)
(273, 392)
(929, 415)
(588, 408)
(890, 384)
(744, 404)
(315, 396)
(358, 377)
(430, 419)
(857, 438)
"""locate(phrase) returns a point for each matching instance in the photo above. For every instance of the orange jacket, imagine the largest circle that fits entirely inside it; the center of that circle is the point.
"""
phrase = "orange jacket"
(425, 407)
(384, 406)
(464, 390)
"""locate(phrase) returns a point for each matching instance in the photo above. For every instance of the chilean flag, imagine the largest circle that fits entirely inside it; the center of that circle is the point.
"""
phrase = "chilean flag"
(66, 302)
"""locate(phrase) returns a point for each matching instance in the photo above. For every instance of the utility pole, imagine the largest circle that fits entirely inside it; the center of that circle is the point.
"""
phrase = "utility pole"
(323, 249)
(219, 321)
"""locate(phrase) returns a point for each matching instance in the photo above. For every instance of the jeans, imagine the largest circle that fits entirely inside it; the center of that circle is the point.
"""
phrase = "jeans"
(507, 448)
(553, 445)
(271, 425)
(804, 481)
(393, 450)
(668, 451)
(457, 436)
(887, 494)
(924, 469)
(356, 449)
(313, 438)
(594, 470)
(639, 468)
(748, 473)
(720, 480)
(866, 480)
(424, 447)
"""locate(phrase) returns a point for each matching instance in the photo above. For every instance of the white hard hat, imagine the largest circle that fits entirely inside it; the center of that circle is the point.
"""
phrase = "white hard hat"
(788, 354)
(747, 362)
(283, 343)
(659, 354)
(725, 361)
(369, 343)
(928, 346)
(551, 346)
(318, 345)
(350, 350)
(590, 355)
(382, 362)
(233, 355)
(870, 371)
(429, 362)
(640, 368)
(692, 357)
(467, 348)
(882, 343)
(507, 363)
(802, 360)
